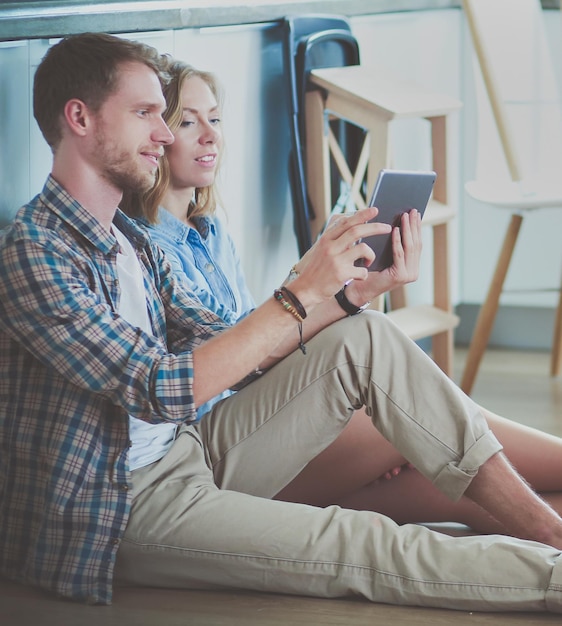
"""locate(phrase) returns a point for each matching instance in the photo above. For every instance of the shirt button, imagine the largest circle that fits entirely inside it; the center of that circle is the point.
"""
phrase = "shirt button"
(114, 541)
(210, 267)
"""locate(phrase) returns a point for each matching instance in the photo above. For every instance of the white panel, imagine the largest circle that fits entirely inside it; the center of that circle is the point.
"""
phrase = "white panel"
(40, 157)
(422, 47)
(14, 128)
(162, 40)
(536, 263)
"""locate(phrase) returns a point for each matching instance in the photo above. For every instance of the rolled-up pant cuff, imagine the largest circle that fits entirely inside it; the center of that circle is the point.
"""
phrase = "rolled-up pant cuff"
(553, 597)
(454, 479)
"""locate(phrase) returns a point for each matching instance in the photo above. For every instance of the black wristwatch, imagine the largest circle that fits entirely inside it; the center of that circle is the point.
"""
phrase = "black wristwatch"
(346, 305)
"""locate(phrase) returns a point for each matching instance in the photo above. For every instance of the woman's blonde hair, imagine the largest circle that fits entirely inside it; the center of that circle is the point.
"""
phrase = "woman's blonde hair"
(205, 201)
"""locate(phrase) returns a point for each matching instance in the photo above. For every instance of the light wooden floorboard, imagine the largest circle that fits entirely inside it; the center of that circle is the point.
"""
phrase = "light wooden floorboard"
(514, 384)
(152, 607)
(517, 384)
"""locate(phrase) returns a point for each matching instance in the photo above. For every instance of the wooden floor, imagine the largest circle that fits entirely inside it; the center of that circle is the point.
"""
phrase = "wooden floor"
(517, 384)
(514, 384)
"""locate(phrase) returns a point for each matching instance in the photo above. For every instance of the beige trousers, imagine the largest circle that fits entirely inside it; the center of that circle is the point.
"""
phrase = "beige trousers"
(202, 517)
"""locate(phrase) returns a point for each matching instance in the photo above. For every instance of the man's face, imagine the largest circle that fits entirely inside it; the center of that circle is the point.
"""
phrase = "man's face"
(130, 132)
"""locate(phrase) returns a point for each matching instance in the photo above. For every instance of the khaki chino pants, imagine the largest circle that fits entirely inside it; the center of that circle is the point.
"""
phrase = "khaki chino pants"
(202, 517)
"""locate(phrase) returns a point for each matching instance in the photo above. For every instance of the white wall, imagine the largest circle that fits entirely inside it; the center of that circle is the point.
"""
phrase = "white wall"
(423, 47)
(14, 127)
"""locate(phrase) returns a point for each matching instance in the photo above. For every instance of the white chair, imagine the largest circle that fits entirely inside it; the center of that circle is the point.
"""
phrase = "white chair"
(517, 72)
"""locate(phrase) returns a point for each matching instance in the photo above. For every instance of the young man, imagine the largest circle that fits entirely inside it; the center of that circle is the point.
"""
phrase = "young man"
(104, 359)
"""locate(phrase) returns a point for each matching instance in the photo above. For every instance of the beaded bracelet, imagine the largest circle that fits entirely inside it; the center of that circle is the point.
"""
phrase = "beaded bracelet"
(289, 295)
(279, 295)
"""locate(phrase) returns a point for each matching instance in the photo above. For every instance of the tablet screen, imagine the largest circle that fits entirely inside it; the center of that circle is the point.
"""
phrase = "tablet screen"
(396, 192)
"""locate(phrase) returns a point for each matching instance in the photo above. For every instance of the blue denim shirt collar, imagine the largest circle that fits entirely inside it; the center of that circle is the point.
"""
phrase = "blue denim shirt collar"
(175, 228)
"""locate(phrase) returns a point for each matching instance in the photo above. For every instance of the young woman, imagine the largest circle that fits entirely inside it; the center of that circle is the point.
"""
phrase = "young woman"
(180, 212)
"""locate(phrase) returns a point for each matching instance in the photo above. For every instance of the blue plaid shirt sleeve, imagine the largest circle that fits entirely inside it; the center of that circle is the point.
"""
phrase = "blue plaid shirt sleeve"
(71, 370)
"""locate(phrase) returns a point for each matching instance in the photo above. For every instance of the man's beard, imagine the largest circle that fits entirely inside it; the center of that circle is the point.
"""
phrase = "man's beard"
(118, 168)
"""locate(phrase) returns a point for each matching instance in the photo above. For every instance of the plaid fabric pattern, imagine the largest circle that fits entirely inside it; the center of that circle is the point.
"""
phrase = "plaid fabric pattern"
(71, 370)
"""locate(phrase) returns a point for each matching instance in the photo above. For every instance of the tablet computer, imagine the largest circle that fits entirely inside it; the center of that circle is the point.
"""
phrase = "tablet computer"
(396, 192)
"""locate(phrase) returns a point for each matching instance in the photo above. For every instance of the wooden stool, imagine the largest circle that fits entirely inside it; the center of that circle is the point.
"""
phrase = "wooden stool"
(529, 127)
(371, 100)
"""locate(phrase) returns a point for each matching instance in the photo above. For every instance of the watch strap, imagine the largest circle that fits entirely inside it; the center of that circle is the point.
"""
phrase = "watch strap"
(346, 305)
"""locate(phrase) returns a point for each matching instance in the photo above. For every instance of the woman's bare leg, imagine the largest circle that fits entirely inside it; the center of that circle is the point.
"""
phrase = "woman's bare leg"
(409, 497)
(361, 449)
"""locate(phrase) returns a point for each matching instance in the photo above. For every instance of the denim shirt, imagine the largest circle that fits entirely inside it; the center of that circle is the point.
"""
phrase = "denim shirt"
(205, 260)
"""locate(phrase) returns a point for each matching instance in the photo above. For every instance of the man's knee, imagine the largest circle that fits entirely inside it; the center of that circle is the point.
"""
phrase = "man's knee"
(370, 329)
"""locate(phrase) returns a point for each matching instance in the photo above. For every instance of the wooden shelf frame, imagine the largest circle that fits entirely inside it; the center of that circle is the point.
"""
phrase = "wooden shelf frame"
(371, 100)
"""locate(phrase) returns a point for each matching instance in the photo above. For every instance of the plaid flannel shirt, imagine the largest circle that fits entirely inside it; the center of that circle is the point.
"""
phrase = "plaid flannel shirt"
(71, 371)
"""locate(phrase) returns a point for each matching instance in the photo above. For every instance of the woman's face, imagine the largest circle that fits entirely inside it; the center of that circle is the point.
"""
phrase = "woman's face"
(194, 155)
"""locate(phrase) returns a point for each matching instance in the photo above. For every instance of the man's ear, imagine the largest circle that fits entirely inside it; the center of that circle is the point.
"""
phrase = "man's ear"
(77, 116)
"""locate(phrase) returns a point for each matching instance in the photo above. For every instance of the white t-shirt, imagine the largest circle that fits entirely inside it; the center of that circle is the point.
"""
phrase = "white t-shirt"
(150, 442)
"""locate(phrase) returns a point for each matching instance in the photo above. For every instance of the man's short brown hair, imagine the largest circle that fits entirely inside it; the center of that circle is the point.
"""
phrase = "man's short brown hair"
(85, 67)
